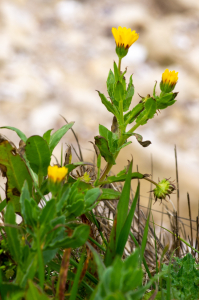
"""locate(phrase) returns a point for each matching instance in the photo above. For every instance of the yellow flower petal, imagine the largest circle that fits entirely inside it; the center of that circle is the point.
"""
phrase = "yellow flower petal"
(124, 37)
(170, 77)
(57, 174)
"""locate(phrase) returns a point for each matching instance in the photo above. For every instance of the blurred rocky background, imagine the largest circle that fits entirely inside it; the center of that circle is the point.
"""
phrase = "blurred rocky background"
(54, 55)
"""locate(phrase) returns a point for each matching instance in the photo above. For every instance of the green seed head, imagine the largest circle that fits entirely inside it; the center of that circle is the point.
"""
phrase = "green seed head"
(163, 189)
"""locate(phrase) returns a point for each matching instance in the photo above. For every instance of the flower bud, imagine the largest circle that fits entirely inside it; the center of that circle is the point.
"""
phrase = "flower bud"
(169, 80)
(164, 188)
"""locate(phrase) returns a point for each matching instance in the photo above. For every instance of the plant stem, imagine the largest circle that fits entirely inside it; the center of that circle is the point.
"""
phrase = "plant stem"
(150, 180)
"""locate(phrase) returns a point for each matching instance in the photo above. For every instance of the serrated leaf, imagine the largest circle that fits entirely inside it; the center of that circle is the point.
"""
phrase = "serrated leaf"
(12, 233)
(134, 113)
(38, 154)
(148, 113)
(46, 136)
(102, 144)
(108, 104)
(13, 167)
(57, 135)
(18, 132)
(129, 95)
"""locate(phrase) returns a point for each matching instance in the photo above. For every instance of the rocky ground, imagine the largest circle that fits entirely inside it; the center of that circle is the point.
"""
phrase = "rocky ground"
(54, 55)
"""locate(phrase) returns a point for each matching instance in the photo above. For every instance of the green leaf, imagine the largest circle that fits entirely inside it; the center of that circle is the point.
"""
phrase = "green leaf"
(108, 104)
(15, 170)
(122, 177)
(166, 100)
(129, 95)
(148, 113)
(63, 200)
(122, 207)
(25, 194)
(145, 235)
(46, 136)
(73, 166)
(30, 208)
(3, 205)
(133, 114)
(102, 144)
(57, 135)
(38, 154)
(110, 84)
(123, 237)
(116, 72)
(98, 260)
(35, 293)
(48, 212)
(119, 92)
(111, 137)
(12, 233)
(111, 249)
(109, 194)
(78, 238)
(74, 290)
(91, 196)
(75, 209)
(19, 132)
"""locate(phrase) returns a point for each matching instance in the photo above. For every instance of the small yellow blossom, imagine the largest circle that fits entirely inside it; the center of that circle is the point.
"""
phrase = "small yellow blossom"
(124, 37)
(170, 77)
(169, 80)
(57, 174)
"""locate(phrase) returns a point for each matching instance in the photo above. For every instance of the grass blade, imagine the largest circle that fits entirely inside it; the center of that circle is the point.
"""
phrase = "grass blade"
(127, 225)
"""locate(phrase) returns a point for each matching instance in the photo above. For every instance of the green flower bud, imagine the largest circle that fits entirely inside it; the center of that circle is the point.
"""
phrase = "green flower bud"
(164, 188)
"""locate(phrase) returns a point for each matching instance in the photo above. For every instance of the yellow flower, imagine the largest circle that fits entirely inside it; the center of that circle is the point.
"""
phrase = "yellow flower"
(124, 37)
(170, 77)
(57, 174)
(169, 80)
